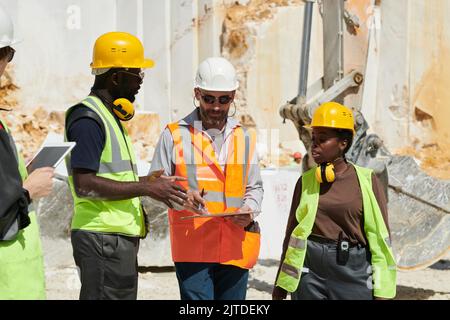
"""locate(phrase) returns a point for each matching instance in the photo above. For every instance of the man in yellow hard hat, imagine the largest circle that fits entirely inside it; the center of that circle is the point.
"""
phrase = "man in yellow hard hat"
(108, 219)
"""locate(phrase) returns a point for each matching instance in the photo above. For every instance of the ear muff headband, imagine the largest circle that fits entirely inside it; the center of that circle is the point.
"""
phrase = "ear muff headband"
(325, 173)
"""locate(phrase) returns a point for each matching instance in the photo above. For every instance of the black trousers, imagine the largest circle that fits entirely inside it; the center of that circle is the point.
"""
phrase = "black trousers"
(108, 265)
(324, 279)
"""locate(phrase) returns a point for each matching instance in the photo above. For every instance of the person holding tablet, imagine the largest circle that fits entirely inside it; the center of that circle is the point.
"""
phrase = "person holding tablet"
(21, 261)
(217, 156)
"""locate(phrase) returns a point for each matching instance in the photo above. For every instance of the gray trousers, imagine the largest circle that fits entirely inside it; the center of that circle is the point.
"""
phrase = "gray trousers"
(323, 279)
(108, 265)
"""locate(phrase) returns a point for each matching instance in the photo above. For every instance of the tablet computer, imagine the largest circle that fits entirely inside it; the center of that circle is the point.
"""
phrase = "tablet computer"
(217, 215)
(50, 155)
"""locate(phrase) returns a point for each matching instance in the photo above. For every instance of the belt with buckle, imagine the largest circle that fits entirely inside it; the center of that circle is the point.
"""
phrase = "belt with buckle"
(323, 240)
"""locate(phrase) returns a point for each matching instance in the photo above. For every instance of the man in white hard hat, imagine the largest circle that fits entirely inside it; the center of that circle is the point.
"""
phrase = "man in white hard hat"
(21, 261)
(217, 156)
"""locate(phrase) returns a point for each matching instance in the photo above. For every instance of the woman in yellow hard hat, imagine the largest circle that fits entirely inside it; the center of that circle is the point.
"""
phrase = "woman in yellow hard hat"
(337, 238)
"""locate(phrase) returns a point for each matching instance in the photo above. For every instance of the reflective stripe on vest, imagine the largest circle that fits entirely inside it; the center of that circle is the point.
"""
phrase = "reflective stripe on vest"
(383, 262)
(297, 243)
(290, 270)
(212, 239)
(117, 162)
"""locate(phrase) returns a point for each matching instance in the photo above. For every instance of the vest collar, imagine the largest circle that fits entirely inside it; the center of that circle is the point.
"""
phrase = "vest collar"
(193, 116)
(105, 97)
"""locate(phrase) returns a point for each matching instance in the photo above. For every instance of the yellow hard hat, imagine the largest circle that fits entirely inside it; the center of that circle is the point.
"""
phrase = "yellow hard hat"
(119, 50)
(333, 115)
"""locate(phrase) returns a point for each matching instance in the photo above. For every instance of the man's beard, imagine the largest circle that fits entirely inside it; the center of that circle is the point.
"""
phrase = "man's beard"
(215, 120)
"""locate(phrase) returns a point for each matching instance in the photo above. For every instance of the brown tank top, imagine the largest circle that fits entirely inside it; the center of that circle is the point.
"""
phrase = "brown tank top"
(340, 208)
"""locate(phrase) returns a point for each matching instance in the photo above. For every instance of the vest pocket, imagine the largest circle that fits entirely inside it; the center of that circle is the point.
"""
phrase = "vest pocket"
(250, 248)
(109, 245)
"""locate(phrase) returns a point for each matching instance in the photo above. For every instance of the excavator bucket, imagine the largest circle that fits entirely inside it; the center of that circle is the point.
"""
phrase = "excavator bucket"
(419, 216)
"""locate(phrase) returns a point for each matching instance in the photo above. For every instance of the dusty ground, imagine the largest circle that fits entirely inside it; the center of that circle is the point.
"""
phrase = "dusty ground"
(160, 283)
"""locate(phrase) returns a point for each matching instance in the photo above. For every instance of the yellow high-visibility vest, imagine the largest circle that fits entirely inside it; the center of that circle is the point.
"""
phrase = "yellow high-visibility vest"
(117, 162)
(22, 274)
(383, 262)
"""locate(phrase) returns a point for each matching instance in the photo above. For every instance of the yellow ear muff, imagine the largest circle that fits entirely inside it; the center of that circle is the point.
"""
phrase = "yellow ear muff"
(325, 172)
(124, 109)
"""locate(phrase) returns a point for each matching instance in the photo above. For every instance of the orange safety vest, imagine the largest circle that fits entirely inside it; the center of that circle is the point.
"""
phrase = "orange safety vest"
(213, 239)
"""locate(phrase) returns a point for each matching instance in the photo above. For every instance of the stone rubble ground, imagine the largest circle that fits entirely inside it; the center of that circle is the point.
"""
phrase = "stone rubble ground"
(432, 283)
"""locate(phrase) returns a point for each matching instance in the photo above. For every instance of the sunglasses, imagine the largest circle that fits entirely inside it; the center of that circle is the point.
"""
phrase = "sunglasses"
(140, 75)
(209, 99)
(10, 55)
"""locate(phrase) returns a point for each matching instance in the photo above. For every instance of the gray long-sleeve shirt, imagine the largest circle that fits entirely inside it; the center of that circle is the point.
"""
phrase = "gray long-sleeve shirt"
(163, 158)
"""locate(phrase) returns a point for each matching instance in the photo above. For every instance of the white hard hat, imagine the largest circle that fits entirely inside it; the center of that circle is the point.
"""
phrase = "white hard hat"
(6, 30)
(216, 74)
